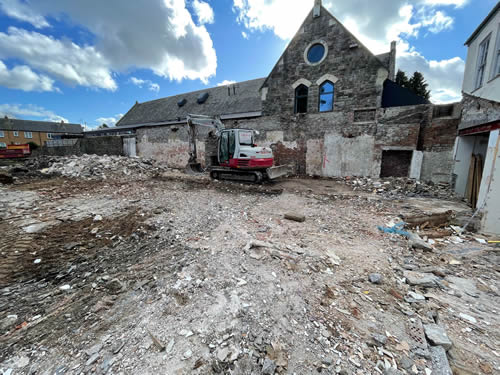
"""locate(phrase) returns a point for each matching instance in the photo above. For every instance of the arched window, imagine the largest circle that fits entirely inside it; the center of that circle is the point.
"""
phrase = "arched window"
(326, 91)
(301, 94)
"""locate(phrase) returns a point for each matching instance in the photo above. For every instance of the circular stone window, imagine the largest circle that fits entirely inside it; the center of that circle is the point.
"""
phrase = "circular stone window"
(316, 53)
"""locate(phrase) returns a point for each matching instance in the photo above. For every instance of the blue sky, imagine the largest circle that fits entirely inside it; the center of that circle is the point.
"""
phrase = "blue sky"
(89, 61)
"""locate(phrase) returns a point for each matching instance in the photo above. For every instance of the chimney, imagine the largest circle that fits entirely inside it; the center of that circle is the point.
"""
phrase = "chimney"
(392, 62)
(317, 8)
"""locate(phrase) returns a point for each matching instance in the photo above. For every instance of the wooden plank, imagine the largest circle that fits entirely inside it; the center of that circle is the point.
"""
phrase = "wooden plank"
(470, 179)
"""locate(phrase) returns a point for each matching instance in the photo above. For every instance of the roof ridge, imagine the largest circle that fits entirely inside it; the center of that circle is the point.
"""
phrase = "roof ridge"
(202, 90)
(38, 121)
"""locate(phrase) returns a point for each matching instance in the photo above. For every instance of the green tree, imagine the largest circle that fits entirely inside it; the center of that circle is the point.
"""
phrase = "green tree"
(103, 126)
(416, 83)
(419, 86)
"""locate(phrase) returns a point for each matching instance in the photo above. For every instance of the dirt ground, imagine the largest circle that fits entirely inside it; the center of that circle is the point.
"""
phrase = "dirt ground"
(182, 275)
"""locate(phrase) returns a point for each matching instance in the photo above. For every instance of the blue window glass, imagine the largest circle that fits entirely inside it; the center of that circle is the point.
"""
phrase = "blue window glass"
(316, 53)
(326, 91)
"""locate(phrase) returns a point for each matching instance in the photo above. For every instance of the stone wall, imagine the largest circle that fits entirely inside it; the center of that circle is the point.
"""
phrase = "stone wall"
(358, 74)
(327, 144)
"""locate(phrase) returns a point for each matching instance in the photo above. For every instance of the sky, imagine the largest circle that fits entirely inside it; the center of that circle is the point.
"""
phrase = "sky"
(89, 61)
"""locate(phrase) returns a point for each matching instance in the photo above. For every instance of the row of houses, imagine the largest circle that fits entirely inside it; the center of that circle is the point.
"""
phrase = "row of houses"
(331, 108)
(18, 132)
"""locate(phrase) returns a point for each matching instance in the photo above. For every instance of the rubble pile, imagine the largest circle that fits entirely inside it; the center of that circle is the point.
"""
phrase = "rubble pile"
(397, 187)
(95, 167)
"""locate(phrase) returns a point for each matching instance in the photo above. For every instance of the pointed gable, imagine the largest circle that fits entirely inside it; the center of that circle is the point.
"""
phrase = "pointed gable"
(323, 47)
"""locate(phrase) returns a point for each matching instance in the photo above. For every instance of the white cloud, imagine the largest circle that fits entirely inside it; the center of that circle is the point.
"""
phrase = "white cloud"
(456, 3)
(110, 121)
(226, 82)
(28, 112)
(21, 77)
(438, 22)
(245, 35)
(154, 87)
(444, 77)
(23, 12)
(375, 24)
(141, 82)
(60, 59)
(168, 42)
(262, 14)
(203, 11)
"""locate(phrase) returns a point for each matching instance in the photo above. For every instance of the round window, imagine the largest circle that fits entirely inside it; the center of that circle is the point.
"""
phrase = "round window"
(316, 53)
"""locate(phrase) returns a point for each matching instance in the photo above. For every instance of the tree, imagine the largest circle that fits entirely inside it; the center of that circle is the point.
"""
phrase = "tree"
(419, 86)
(103, 126)
(401, 79)
(415, 84)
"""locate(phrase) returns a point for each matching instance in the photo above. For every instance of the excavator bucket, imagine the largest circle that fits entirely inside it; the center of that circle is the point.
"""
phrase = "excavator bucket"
(279, 171)
(194, 168)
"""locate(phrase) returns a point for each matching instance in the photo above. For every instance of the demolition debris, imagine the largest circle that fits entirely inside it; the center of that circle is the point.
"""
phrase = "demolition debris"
(126, 275)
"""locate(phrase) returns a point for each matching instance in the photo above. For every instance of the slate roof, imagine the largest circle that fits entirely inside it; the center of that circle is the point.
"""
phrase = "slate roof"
(222, 101)
(39, 126)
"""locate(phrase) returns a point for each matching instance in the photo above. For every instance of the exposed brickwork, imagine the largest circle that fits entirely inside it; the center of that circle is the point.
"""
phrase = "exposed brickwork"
(440, 135)
(477, 111)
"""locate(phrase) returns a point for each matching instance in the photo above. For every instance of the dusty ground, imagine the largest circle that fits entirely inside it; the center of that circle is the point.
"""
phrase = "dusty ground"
(180, 275)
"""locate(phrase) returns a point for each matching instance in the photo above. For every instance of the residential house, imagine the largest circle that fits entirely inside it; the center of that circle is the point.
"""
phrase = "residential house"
(329, 107)
(14, 131)
(477, 156)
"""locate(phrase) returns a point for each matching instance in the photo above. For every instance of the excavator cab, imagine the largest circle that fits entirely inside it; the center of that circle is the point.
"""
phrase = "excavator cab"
(238, 150)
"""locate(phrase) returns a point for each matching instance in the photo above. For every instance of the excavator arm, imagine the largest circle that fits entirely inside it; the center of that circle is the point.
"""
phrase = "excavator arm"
(199, 120)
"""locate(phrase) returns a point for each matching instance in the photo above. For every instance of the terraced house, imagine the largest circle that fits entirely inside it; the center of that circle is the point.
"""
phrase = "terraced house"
(16, 132)
(329, 107)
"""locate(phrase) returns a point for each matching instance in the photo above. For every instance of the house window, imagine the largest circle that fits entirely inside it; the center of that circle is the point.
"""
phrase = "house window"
(49, 135)
(496, 67)
(481, 61)
(301, 94)
(28, 135)
(2, 134)
(326, 97)
(3, 145)
(16, 134)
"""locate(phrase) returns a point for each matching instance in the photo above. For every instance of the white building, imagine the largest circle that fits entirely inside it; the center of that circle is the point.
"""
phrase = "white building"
(477, 154)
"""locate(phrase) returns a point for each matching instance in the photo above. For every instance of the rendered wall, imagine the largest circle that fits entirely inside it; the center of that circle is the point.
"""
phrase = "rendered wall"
(491, 217)
(491, 85)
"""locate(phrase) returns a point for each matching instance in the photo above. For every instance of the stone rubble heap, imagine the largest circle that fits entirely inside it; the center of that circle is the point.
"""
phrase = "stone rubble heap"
(397, 187)
(95, 167)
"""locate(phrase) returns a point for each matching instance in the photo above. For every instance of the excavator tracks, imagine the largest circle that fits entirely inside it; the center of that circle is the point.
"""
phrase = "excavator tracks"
(255, 177)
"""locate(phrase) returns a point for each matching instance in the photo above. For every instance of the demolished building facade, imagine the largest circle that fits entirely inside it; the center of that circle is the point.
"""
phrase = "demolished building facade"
(328, 107)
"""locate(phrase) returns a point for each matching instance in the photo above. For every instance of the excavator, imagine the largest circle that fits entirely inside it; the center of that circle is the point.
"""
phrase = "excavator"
(237, 156)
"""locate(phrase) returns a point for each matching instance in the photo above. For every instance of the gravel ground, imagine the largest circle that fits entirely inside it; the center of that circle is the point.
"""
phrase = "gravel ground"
(181, 275)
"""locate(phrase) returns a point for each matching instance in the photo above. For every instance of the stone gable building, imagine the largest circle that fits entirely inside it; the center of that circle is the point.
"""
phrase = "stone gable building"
(329, 107)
